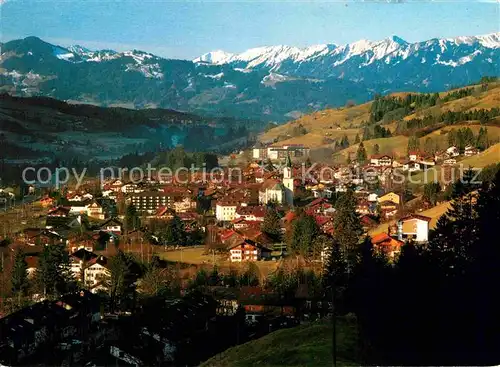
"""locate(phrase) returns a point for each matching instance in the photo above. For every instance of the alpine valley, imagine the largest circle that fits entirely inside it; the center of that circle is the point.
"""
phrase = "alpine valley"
(275, 83)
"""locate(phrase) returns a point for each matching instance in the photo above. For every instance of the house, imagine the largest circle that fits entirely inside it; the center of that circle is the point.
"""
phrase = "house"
(251, 213)
(225, 211)
(453, 151)
(95, 210)
(78, 207)
(412, 166)
(381, 160)
(450, 162)
(58, 212)
(112, 225)
(413, 227)
(390, 196)
(388, 209)
(248, 250)
(96, 271)
(440, 156)
(184, 204)
(46, 201)
(62, 223)
(78, 259)
(414, 156)
(470, 151)
(272, 191)
(363, 207)
(389, 246)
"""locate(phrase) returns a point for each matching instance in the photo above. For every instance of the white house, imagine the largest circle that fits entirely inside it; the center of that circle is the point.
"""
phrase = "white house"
(453, 151)
(96, 271)
(412, 166)
(470, 151)
(413, 227)
(381, 160)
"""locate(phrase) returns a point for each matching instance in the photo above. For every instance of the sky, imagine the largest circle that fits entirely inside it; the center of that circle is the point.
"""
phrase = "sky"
(187, 29)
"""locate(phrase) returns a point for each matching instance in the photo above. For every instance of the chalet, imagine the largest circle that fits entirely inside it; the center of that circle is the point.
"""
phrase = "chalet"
(241, 223)
(78, 259)
(367, 221)
(97, 270)
(43, 237)
(130, 188)
(94, 210)
(363, 207)
(78, 207)
(58, 212)
(165, 213)
(413, 227)
(470, 151)
(440, 156)
(322, 192)
(389, 246)
(114, 185)
(414, 156)
(248, 250)
(412, 166)
(62, 223)
(450, 162)
(388, 209)
(251, 213)
(184, 204)
(381, 160)
(112, 225)
(453, 151)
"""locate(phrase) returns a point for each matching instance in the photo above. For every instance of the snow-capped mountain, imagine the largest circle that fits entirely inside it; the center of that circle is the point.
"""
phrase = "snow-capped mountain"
(268, 83)
(322, 59)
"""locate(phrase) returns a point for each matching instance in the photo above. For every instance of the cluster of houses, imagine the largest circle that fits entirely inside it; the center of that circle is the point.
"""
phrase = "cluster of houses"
(56, 325)
(449, 156)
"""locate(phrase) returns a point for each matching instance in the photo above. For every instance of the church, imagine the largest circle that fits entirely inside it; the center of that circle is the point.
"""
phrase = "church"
(273, 191)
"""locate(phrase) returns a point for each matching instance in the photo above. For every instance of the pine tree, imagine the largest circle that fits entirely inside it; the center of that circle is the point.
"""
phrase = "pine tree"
(357, 140)
(53, 274)
(376, 149)
(19, 277)
(347, 228)
(413, 143)
(132, 219)
(304, 231)
(271, 224)
(361, 154)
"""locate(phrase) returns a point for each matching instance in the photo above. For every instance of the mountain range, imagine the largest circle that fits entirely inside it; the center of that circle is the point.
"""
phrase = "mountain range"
(274, 83)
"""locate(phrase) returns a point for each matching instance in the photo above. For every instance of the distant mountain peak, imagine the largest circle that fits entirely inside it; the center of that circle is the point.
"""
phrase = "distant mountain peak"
(214, 57)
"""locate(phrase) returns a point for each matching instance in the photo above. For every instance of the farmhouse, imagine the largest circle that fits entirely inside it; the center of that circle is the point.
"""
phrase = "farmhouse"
(413, 227)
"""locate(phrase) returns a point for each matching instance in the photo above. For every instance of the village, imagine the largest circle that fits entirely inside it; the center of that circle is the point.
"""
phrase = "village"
(220, 226)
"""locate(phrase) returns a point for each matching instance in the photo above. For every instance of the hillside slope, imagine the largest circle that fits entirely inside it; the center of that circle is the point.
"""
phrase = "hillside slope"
(321, 130)
(307, 345)
(43, 128)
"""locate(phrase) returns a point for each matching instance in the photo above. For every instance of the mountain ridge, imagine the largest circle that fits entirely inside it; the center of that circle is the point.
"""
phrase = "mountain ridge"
(273, 83)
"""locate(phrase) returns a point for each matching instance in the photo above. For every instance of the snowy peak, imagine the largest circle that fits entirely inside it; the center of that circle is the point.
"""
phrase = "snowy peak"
(214, 57)
(391, 48)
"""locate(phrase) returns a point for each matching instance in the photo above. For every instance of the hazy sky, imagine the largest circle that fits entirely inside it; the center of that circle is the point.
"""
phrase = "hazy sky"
(186, 29)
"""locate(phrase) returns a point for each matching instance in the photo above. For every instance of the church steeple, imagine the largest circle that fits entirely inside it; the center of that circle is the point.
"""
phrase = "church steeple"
(288, 161)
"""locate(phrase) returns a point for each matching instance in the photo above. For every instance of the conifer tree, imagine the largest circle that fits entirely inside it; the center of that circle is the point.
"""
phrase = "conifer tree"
(361, 154)
(357, 140)
(271, 224)
(19, 277)
(347, 228)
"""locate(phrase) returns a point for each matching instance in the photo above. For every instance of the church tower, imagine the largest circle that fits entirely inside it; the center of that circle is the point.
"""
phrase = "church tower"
(288, 181)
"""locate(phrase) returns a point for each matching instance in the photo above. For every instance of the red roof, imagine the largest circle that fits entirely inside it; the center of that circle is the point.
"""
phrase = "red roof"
(290, 216)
